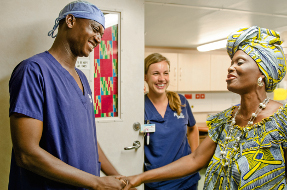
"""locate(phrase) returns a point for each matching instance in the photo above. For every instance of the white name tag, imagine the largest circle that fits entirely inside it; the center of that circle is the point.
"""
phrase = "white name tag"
(147, 128)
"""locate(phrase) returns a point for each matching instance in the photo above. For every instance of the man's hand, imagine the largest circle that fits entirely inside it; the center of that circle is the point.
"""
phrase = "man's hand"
(108, 183)
(131, 181)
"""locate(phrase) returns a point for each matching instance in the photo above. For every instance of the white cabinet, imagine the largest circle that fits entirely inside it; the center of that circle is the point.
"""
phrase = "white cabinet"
(173, 59)
(193, 72)
(219, 69)
(202, 71)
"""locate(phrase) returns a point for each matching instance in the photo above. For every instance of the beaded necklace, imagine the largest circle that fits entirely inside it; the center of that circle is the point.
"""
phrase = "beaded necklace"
(224, 160)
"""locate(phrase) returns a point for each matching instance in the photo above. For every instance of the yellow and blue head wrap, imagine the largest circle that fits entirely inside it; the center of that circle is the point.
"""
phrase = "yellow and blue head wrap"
(263, 46)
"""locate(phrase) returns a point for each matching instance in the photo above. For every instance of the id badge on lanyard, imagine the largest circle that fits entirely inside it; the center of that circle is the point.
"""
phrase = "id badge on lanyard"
(147, 128)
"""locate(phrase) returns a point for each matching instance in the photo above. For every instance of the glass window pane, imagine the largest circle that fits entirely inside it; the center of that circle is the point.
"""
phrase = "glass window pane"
(106, 70)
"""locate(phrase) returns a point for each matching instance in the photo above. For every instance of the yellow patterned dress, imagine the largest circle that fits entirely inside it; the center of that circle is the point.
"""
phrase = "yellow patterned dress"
(257, 162)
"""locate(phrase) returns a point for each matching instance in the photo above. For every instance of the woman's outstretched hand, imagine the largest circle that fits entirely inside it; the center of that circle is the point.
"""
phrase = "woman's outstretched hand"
(131, 181)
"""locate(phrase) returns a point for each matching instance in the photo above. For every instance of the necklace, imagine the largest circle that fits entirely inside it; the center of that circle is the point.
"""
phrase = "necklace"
(226, 156)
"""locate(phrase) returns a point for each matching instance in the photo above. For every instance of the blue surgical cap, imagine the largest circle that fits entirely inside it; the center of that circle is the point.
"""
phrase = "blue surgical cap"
(80, 9)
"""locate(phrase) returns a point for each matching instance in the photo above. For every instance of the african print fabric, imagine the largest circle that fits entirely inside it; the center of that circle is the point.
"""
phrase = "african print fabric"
(259, 160)
(106, 74)
(263, 46)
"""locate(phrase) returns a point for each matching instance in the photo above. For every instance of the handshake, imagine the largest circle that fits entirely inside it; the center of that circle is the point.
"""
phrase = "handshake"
(130, 182)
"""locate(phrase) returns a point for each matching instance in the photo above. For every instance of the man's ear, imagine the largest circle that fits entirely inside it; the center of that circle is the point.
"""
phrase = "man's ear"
(70, 20)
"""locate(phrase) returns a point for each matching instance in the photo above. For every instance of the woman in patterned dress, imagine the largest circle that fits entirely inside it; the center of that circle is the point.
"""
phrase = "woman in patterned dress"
(246, 143)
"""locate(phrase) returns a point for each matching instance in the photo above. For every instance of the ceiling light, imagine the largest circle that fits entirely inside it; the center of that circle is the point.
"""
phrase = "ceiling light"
(212, 46)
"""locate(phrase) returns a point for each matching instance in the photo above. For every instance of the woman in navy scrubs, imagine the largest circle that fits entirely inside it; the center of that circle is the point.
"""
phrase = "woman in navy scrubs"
(175, 129)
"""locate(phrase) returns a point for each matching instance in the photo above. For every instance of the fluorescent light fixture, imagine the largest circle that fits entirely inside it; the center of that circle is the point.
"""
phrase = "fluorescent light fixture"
(111, 19)
(212, 46)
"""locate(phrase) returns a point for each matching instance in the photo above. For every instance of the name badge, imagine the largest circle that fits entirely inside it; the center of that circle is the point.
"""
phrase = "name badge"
(147, 128)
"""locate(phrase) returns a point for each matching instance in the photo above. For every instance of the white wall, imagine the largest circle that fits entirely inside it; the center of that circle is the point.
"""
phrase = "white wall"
(214, 102)
(24, 28)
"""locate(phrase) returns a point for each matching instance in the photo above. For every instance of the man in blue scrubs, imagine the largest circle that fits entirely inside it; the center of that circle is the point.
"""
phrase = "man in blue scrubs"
(51, 111)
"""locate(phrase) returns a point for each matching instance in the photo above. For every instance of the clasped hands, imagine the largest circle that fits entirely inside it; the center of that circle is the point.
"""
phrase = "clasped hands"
(130, 182)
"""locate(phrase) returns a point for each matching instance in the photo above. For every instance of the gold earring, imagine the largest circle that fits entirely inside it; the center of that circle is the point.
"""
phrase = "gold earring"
(260, 82)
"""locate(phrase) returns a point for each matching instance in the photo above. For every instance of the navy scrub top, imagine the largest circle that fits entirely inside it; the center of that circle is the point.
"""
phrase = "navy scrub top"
(168, 143)
(42, 89)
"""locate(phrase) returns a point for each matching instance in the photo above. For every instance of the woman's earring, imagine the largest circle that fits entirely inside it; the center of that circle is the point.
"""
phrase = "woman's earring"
(260, 82)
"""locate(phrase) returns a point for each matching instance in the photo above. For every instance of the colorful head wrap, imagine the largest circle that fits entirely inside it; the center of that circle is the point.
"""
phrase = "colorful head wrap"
(80, 9)
(263, 46)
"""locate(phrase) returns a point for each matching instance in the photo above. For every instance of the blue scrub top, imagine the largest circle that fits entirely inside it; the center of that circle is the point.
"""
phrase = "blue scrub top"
(168, 143)
(42, 89)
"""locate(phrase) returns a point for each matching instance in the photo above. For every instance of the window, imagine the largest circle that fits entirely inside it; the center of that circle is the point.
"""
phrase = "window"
(106, 64)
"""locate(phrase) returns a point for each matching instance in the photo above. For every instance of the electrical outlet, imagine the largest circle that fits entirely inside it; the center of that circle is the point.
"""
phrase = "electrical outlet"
(83, 64)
